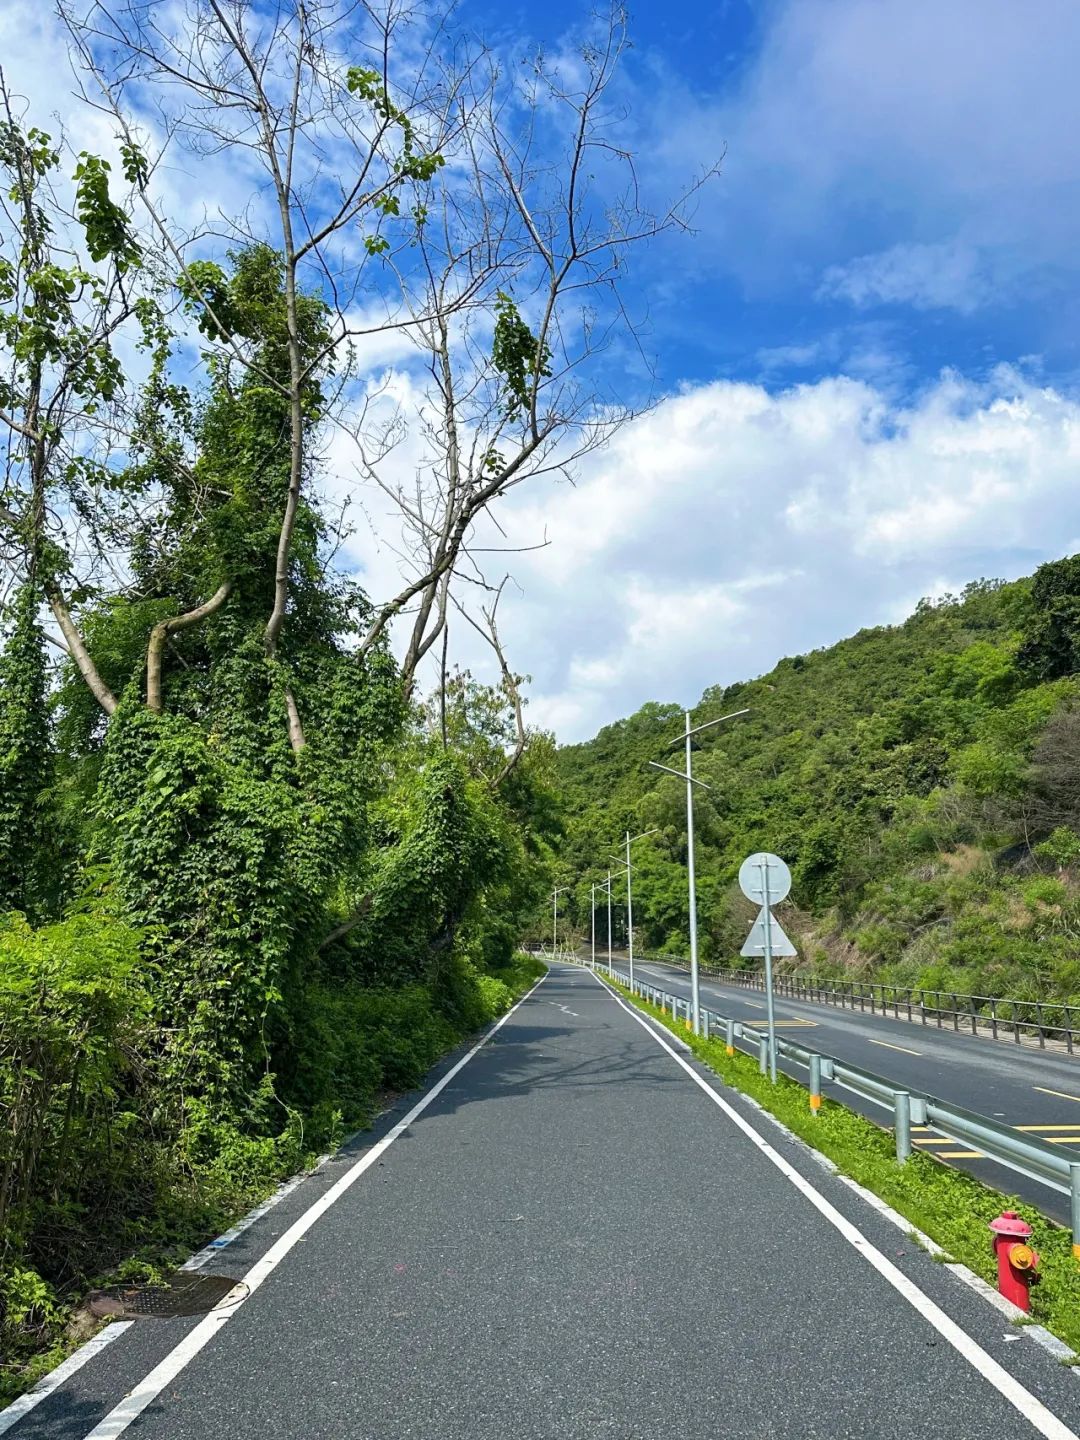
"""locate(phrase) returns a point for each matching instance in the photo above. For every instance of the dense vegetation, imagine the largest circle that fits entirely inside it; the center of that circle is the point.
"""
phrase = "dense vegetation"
(250, 877)
(921, 780)
(216, 951)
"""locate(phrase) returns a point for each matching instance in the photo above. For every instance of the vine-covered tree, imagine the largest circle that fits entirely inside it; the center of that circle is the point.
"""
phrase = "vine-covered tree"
(250, 873)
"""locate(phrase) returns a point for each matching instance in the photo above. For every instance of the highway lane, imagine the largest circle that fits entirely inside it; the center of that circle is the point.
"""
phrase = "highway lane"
(577, 1237)
(1034, 1090)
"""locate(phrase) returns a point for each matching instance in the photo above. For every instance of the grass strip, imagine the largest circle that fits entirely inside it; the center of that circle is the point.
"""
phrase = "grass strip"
(949, 1205)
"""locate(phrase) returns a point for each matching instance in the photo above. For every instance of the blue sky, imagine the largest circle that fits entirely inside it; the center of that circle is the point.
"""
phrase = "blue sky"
(867, 366)
(898, 192)
(873, 333)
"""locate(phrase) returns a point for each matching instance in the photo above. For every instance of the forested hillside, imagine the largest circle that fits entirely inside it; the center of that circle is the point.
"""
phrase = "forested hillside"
(921, 780)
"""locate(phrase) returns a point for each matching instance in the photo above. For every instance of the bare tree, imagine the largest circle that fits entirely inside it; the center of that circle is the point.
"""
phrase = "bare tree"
(510, 684)
(412, 177)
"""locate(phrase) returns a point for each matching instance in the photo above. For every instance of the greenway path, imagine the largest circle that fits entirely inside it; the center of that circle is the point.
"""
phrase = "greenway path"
(573, 1232)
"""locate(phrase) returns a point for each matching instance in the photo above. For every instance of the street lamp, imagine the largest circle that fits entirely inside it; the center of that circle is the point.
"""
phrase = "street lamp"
(629, 898)
(592, 911)
(559, 890)
(687, 775)
(606, 885)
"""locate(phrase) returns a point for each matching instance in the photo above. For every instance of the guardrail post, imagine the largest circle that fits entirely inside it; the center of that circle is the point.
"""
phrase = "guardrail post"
(902, 1124)
(729, 1037)
(1074, 1207)
(763, 1055)
(706, 1024)
(815, 1083)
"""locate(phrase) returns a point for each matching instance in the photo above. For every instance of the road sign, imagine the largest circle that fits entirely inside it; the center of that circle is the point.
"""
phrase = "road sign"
(765, 879)
(751, 878)
(755, 941)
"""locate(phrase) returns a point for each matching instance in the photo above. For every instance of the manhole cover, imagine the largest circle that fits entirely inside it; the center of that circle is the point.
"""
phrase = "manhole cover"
(185, 1293)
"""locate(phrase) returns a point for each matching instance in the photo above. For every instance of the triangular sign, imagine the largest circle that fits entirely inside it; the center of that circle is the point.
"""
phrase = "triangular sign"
(755, 941)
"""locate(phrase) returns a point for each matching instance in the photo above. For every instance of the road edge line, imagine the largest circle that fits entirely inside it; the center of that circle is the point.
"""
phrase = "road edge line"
(23, 1404)
(1037, 1414)
(136, 1400)
(1037, 1333)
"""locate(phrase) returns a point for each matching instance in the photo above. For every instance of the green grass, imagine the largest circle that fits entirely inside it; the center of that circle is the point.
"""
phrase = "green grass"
(949, 1205)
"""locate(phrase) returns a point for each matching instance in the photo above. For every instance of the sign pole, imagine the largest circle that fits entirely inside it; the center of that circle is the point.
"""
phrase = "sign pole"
(769, 1010)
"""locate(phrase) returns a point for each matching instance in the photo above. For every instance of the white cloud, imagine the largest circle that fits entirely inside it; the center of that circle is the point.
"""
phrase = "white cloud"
(926, 276)
(732, 526)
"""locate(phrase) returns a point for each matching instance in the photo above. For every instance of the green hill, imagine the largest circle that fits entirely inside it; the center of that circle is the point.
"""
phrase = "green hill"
(922, 780)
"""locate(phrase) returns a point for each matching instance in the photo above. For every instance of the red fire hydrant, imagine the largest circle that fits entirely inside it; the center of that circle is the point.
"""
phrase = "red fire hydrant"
(1017, 1262)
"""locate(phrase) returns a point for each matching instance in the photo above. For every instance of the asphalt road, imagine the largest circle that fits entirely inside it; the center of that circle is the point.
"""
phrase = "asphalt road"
(1034, 1090)
(575, 1238)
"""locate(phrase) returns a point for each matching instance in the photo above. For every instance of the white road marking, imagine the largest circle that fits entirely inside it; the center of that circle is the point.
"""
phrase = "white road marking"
(145, 1393)
(207, 1253)
(1030, 1406)
(55, 1378)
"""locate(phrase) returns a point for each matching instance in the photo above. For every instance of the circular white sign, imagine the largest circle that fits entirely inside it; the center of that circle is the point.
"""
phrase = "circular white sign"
(752, 878)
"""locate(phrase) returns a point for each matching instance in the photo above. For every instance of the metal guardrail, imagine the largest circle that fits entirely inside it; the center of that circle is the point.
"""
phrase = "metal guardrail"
(1025, 1154)
(994, 1015)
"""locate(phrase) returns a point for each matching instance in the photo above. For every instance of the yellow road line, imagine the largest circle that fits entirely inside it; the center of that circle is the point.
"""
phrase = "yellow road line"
(1062, 1139)
(932, 1140)
(1073, 1127)
(904, 1048)
(1064, 1094)
(959, 1154)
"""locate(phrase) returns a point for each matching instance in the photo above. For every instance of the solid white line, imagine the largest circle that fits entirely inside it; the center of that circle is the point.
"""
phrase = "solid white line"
(1032, 1408)
(215, 1247)
(55, 1378)
(144, 1394)
(89, 1348)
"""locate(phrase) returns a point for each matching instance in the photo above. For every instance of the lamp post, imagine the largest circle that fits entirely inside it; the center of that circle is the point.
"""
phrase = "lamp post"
(607, 884)
(688, 776)
(630, 899)
(558, 890)
(592, 912)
